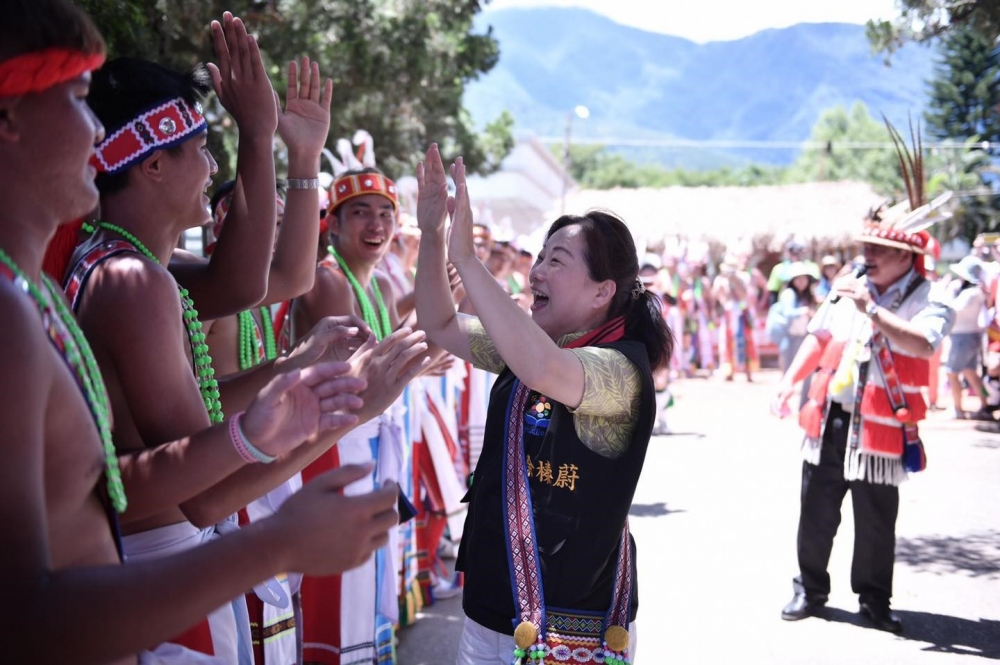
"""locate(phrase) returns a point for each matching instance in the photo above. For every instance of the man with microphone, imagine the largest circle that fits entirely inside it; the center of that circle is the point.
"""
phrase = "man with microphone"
(869, 346)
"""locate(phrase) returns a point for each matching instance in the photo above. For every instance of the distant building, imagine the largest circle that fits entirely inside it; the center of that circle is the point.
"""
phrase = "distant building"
(519, 199)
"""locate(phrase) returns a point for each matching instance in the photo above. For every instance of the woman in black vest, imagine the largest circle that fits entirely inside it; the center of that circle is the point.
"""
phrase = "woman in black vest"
(549, 563)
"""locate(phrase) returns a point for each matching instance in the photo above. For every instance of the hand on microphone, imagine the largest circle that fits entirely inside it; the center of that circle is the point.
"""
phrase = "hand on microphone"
(845, 286)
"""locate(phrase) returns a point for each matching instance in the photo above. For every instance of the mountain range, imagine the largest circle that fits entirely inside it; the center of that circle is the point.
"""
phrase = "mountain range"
(770, 86)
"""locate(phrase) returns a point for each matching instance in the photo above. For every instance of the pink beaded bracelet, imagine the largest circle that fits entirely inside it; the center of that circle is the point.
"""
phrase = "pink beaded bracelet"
(246, 450)
(236, 438)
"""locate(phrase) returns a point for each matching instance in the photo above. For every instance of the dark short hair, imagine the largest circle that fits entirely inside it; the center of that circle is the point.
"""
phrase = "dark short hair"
(125, 87)
(35, 25)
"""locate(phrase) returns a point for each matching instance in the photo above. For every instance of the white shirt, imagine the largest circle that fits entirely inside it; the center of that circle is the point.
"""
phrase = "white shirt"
(926, 308)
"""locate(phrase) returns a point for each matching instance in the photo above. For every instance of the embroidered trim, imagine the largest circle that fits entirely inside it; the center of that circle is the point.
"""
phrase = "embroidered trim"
(163, 126)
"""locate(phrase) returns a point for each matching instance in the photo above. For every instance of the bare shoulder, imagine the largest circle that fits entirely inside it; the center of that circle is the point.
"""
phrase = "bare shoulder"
(330, 296)
(131, 284)
(385, 286)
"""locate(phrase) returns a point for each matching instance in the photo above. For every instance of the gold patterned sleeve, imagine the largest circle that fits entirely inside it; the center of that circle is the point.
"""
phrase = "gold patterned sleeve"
(609, 409)
(484, 353)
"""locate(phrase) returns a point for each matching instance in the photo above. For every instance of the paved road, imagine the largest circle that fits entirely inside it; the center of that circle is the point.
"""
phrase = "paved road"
(715, 516)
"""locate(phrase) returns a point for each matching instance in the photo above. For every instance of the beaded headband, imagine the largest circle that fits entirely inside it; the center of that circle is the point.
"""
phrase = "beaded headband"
(878, 235)
(40, 70)
(163, 126)
(349, 187)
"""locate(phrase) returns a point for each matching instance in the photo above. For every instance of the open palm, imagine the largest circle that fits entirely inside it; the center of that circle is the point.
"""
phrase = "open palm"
(432, 193)
(305, 121)
(296, 405)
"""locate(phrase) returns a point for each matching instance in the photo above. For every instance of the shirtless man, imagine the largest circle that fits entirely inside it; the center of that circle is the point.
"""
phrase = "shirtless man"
(59, 495)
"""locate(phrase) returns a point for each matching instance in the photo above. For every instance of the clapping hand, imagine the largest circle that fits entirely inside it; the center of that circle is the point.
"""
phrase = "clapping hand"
(296, 405)
(460, 244)
(325, 532)
(432, 196)
(333, 338)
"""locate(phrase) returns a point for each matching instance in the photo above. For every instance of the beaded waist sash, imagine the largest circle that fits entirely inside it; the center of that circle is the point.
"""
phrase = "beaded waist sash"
(562, 636)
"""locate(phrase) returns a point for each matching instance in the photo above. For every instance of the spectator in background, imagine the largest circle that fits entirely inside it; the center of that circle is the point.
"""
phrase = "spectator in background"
(966, 338)
(788, 318)
(794, 253)
(829, 267)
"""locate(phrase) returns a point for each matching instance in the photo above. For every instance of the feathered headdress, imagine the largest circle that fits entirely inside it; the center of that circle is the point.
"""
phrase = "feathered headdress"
(904, 225)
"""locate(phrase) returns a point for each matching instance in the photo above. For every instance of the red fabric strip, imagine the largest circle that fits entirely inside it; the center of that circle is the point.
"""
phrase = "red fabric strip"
(885, 439)
(612, 331)
(875, 402)
(40, 70)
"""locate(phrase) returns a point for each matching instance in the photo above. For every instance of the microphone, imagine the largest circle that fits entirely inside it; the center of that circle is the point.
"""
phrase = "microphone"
(858, 273)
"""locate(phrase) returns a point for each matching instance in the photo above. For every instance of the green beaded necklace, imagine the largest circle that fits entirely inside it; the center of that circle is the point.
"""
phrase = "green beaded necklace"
(249, 341)
(199, 349)
(367, 311)
(79, 356)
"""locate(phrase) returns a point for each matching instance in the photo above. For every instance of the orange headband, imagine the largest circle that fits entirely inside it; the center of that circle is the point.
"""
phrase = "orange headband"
(352, 186)
(40, 70)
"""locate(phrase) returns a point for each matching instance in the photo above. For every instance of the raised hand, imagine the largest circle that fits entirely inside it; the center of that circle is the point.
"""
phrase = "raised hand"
(296, 405)
(239, 79)
(305, 122)
(432, 192)
(388, 367)
(325, 532)
(460, 245)
(333, 338)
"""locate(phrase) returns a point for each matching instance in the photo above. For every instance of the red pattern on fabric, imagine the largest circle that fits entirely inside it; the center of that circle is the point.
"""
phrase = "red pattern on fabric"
(912, 371)
(60, 250)
(34, 72)
(351, 186)
(320, 625)
(831, 355)
(875, 402)
(167, 124)
(885, 439)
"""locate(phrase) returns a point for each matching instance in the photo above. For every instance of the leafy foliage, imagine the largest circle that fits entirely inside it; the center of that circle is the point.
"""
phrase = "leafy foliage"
(399, 67)
(924, 20)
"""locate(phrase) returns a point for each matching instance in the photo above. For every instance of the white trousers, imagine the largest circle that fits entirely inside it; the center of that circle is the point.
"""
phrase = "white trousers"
(481, 646)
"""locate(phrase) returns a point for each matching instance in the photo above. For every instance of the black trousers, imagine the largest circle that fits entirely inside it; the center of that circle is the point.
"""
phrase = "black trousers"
(875, 510)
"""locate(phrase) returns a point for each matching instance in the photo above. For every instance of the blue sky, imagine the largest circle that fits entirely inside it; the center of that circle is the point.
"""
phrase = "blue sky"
(729, 19)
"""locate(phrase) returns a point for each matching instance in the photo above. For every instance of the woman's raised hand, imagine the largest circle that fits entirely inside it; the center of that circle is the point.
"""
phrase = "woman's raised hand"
(432, 192)
(460, 244)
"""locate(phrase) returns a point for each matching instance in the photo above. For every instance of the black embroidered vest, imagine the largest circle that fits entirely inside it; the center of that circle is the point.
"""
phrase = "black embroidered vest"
(580, 500)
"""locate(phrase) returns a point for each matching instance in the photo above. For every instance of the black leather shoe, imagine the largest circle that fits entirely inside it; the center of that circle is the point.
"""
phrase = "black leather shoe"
(882, 617)
(801, 607)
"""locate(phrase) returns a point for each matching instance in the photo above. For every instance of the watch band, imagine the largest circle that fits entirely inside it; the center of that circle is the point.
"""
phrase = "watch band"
(303, 183)
(871, 309)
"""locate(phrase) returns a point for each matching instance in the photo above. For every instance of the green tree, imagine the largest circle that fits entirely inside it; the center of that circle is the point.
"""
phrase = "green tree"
(962, 170)
(924, 20)
(963, 99)
(399, 67)
(964, 95)
(837, 129)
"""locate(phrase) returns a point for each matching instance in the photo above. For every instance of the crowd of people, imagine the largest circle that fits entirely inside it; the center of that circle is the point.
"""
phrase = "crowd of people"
(262, 455)
(256, 455)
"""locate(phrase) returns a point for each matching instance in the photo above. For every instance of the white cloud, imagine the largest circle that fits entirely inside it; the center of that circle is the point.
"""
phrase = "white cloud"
(713, 20)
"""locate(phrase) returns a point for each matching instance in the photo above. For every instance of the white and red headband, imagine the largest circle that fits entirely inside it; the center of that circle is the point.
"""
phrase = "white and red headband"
(163, 126)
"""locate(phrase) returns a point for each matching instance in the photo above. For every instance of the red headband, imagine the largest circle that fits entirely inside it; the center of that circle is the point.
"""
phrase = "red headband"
(352, 186)
(40, 70)
(163, 126)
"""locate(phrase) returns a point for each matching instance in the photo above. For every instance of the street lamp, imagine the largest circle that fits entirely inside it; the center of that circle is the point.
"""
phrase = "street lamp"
(582, 112)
